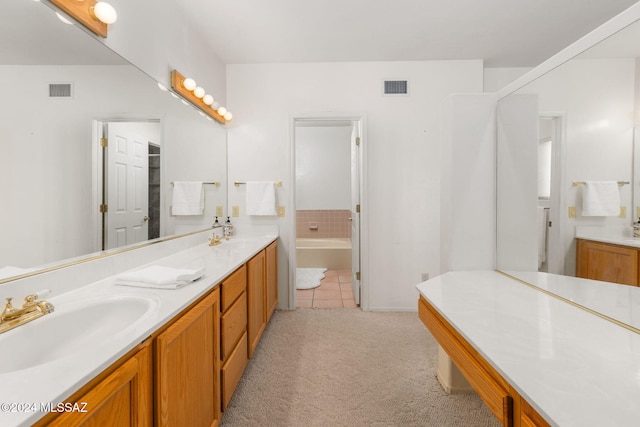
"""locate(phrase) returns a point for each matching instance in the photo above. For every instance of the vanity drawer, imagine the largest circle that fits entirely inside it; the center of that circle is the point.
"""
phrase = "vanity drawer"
(489, 385)
(233, 324)
(232, 287)
(232, 370)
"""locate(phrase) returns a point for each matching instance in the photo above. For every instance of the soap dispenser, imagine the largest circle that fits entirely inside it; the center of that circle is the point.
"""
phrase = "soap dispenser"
(636, 228)
(216, 224)
(228, 228)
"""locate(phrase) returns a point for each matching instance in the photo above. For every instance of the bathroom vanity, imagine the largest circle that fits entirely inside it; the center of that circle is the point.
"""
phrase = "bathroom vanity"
(172, 357)
(541, 352)
(609, 255)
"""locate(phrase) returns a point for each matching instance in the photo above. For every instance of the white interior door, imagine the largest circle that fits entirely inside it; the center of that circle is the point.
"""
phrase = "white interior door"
(126, 192)
(355, 210)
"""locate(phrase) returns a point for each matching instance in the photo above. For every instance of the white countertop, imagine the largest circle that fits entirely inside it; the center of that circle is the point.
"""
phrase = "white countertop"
(615, 235)
(58, 379)
(573, 367)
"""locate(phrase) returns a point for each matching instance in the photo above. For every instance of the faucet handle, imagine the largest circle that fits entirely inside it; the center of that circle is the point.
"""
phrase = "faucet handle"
(8, 309)
(31, 299)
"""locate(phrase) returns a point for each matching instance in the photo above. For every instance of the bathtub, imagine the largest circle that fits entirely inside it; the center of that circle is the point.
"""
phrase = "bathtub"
(332, 254)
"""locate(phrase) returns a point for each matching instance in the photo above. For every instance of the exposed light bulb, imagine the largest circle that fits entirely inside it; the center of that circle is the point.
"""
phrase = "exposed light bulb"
(222, 111)
(207, 99)
(105, 12)
(189, 84)
(228, 116)
(198, 92)
(215, 105)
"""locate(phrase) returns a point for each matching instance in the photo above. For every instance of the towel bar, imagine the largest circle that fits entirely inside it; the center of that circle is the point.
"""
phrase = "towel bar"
(576, 183)
(237, 183)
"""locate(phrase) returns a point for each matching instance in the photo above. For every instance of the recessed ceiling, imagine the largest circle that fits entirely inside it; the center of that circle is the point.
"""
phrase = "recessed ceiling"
(504, 33)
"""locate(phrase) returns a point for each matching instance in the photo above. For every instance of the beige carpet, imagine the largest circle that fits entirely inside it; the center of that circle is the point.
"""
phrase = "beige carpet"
(346, 367)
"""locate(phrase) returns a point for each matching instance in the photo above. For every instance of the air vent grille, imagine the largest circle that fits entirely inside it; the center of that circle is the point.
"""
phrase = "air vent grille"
(60, 90)
(396, 87)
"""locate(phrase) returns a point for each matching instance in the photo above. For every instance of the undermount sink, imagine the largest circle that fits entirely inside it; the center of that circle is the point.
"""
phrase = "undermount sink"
(71, 328)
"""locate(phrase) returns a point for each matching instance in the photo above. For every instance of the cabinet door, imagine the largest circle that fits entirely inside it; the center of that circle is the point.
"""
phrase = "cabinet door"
(256, 302)
(272, 278)
(603, 261)
(121, 399)
(187, 368)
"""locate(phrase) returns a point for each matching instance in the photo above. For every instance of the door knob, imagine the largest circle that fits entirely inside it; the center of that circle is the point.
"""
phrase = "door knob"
(146, 218)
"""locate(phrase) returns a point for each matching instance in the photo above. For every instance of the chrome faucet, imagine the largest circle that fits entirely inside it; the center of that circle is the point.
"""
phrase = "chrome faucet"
(32, 308)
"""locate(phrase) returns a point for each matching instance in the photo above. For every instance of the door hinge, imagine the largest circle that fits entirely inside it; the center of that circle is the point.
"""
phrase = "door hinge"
(104, 142)
(104, 208)
(357, 208)
(358, 275)
(357, 140)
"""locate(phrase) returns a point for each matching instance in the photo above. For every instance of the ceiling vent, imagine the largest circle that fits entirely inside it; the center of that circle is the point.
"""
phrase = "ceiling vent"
(60, 90)
(396, 87)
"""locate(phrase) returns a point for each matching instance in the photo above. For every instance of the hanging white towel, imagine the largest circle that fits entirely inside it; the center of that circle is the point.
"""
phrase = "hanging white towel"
(160, 277)
(188, 198)
(261, 198)
(601, 198)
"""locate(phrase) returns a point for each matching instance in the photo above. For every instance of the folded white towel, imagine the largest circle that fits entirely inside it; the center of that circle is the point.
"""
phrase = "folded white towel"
(261, 198)
(601, 198)
(160, 277)
(542, 235)
(188, 198)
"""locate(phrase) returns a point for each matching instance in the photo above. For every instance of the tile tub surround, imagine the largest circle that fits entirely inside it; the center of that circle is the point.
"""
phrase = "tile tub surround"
(561, 359)
(323, 224)
(60, 378)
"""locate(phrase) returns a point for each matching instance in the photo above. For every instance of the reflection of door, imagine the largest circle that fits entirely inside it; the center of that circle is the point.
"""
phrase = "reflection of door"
(355, 210)
(550, 135)
(126, 192)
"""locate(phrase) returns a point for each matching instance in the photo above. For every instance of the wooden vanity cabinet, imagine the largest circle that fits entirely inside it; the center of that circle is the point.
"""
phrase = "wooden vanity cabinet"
(187, 389)
(499, 396)
(271, 265)
(607, 262)
(122, 398)
(233, 329)
(256, 302)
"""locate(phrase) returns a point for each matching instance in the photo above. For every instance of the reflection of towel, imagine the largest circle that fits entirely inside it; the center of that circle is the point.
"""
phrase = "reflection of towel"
(188, 198)
(542, 235)
(160, 277)
(261, 198)
(601, 198)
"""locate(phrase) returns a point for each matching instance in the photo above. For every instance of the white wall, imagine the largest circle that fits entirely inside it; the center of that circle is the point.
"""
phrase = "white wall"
(597, 98)
(401, 208)
(497, 78)
(323, 167)
(468, 189)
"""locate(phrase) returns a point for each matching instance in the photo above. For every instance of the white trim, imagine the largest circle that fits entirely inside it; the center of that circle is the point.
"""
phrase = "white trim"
(612, 26)
(364, 211)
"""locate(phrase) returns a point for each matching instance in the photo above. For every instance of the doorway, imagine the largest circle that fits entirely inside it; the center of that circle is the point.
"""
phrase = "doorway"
(327, 162)
(129, 169)
(550, 146)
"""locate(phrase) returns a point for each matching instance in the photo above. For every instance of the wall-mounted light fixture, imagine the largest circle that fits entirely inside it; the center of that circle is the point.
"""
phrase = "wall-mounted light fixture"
(188, 89)
(95, 15)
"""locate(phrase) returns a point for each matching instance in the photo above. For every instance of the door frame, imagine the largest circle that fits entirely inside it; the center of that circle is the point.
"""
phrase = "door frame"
(556, 245)
(97, 167)
(364, 210)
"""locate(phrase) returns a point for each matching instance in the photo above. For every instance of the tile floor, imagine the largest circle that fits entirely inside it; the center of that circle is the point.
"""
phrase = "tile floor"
(334, 292)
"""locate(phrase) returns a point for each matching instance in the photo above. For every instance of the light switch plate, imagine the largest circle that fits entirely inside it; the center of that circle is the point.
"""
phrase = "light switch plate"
(235, 211)
(572, 211)
(623, 212)
(219, 211)
(281, 211)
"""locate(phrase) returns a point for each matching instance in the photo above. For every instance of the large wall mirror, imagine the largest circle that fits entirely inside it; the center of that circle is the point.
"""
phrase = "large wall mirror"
(63, 93)
(576, 123)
